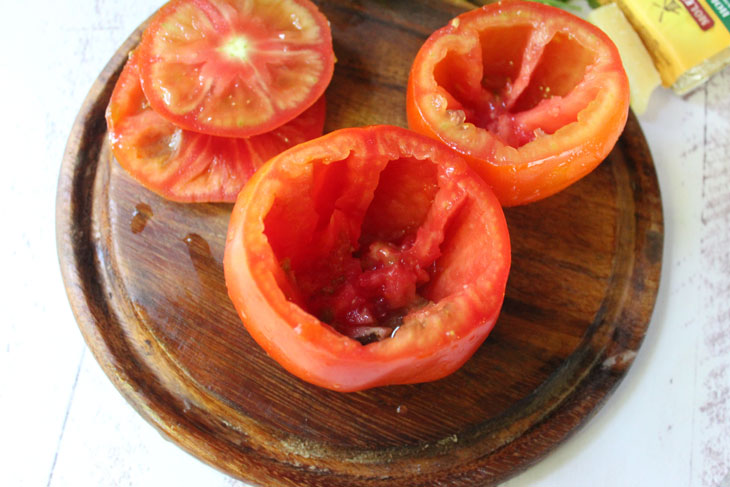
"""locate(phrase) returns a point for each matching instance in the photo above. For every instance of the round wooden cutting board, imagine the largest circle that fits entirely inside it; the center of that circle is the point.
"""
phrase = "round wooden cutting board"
(145, 279)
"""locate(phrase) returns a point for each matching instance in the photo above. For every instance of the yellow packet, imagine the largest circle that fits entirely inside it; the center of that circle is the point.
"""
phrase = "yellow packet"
(689, 40)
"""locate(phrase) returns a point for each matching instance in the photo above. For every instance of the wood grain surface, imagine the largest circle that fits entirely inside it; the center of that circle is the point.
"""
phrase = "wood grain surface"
(144, 278)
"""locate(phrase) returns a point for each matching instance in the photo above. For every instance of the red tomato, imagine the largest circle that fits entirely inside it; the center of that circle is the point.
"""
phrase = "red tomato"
(367, 257)
(533, 97)
(188, 166)
(235, 67)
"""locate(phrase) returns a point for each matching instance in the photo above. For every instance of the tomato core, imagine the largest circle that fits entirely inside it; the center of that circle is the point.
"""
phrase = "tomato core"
(236, 48)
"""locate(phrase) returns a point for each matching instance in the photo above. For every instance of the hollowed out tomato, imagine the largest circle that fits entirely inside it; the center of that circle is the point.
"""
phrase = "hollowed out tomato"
(367, 257)
(187, 166)
(235, 67)
(532, 96)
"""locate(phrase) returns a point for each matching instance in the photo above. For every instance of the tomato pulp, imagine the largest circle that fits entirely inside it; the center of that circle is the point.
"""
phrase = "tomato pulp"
(532, 96)
(367, 257)
(235, 68)
(186, 166)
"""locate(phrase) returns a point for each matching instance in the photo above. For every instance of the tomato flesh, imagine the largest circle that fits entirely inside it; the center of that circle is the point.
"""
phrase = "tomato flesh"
(186, 166)
(367, 257)
(235, 67)
(531, 95)
(366, 294)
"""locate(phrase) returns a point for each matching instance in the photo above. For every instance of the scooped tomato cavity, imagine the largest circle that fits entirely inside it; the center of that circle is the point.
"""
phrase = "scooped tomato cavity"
(533, 96)
(367, 257)
(235, 67)
(186, 166)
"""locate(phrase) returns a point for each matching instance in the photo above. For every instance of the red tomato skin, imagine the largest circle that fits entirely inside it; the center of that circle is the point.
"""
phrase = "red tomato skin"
(221, 26)
(435, 341)
(537, 169)
(185, 166)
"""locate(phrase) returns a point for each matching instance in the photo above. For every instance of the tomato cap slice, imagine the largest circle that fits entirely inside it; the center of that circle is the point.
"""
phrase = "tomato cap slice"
(186, 166)
(386, 228)
(532, 96)
(235, 68)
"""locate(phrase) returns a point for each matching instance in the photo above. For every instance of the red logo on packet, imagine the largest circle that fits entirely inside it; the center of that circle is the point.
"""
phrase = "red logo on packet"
(698, 13)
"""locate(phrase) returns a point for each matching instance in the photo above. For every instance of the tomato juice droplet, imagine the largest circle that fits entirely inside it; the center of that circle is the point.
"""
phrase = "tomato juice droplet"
(140, 216)
(207, 267)
(198, 248)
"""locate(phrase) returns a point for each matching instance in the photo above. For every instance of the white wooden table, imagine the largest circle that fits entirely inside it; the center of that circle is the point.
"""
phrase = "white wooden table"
(63, 424)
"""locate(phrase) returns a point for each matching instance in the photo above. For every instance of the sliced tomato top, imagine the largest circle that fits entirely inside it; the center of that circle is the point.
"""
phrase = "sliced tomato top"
(235, 67)
(366, 257)
(532, 95)
(187, 166)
